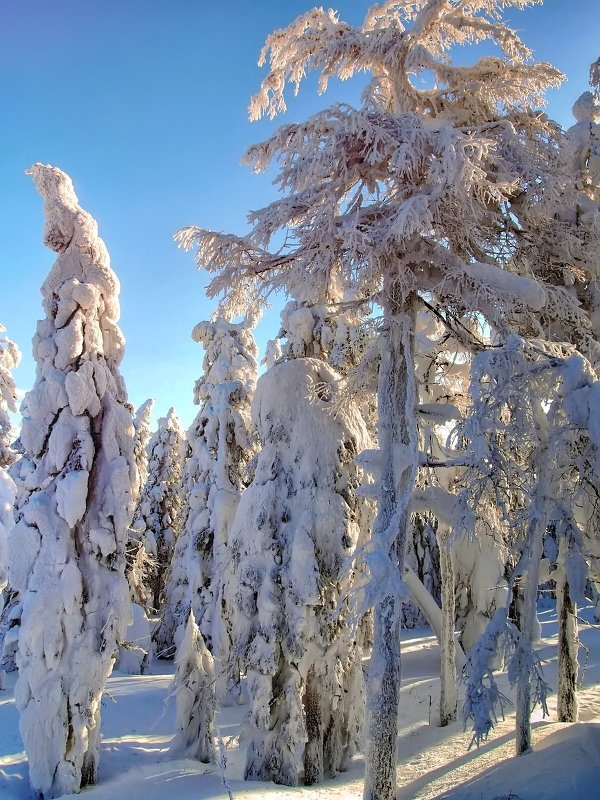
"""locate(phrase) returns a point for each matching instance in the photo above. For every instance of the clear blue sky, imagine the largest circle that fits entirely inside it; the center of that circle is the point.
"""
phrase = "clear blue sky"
(143, 103)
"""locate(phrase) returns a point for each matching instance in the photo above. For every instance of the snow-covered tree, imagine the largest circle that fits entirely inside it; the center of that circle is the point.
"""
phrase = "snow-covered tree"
(143, 432)
(408, 196)
(67, 549)
(9, 360)
(140, 561)
(158, 520)
(194, 690)
(288, 576)
(220, 445)
(534, 440)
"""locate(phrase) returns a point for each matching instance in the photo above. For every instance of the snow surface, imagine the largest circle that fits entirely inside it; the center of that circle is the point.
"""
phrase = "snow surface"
(433, 763)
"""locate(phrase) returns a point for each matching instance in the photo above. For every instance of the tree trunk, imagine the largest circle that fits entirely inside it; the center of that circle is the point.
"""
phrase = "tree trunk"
(448, 690)
(433, 613)
(398, 445)
(313, 752)
(528, 617)
(566, 704)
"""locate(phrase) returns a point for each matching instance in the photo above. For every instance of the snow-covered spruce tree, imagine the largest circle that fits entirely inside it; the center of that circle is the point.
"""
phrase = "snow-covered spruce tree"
(67, 549)
(9, 359)
(295, 530)
(143, 432)
(140, 562)
(220, 446)
(194, 690)
(158, 520)
(407, 195)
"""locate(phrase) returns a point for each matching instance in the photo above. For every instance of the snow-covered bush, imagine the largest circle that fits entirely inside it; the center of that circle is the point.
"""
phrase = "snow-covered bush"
(220, 446)
(67, 549)
(289, 576)
(194, 690)
(134, 650)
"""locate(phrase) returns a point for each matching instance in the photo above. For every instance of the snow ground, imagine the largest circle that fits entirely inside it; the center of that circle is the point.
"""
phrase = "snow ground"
(433, 763)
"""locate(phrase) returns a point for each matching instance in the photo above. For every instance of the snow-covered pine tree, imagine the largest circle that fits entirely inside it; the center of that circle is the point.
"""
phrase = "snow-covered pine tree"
(194, 690)
(408, 195)
(67, 549)
(140, 562)
(158, 521)
(221, 445)
(9, 360)
(288, 578)
(143, 432)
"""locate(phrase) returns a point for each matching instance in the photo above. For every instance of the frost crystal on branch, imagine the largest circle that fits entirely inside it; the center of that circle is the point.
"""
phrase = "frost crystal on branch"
(67, 550)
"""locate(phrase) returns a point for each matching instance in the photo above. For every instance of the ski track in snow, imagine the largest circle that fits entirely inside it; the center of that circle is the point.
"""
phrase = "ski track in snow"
(433, 763)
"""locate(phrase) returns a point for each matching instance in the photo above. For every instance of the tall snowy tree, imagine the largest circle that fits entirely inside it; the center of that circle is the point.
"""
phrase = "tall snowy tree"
(158, 521)
(9, 359)
(143, 432)
(67, 550)
(140, 561)
(221, 446)
(295, 530)
(410, 195)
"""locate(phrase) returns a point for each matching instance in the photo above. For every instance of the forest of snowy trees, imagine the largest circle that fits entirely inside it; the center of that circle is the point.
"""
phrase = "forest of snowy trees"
(422, 446)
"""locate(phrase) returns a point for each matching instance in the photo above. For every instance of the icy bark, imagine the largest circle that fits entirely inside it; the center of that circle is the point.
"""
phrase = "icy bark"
(67, 550)
(194, 690)
(293, 536)
(528, 616)
(397, 400)
(448, 677)
(568, 644)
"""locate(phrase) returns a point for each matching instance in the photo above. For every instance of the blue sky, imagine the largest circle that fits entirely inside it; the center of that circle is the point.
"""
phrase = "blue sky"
(143, 103)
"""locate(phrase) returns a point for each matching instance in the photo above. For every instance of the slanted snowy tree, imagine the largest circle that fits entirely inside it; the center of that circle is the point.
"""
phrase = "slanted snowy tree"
(9, 359)
(295, 530)
(410, 195)
(67, 550)
(221, 445)
(158, 521)
(194, 690)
